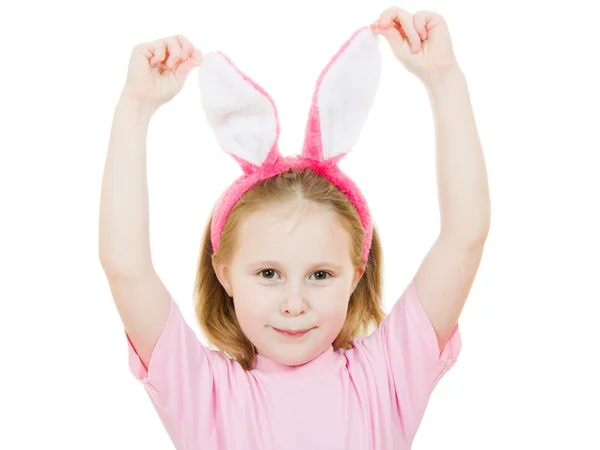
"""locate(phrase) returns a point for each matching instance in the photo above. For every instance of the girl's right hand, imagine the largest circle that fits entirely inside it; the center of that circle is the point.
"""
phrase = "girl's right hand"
(157, 70)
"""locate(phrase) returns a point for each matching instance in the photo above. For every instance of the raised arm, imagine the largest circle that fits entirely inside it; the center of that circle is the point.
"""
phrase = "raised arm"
(156, 73)
(444, 279)
(422, 43)
(124, 244)
(124, 247)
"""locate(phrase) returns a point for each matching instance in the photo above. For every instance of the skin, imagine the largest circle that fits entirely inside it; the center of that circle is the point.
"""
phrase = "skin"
(291, 270)
(421, 42)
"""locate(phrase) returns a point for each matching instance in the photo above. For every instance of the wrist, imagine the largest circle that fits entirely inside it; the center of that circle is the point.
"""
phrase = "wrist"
(135, 108)
(449, 81)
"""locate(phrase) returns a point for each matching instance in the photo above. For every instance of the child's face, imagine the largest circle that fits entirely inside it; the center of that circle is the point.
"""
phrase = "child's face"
(292, 270)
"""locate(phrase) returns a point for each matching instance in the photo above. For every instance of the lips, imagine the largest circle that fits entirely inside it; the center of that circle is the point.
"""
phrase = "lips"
(292, 334)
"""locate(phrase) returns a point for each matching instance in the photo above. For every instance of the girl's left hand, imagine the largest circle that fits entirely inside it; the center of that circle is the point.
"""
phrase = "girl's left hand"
(421, 42)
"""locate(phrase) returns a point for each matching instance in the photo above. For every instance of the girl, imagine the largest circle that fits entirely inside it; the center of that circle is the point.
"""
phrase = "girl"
(289, 277)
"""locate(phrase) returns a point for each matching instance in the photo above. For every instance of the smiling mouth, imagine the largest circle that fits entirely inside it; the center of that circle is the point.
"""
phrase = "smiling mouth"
(292, 334)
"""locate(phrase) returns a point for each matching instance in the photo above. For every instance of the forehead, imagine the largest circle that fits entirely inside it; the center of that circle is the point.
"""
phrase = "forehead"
(296, 230)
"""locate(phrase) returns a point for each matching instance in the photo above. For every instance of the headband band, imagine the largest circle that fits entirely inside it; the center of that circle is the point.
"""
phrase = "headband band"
(245, 122)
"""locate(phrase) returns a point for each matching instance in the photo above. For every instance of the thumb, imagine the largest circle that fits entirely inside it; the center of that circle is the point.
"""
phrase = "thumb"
(395, 39)
(184, 69)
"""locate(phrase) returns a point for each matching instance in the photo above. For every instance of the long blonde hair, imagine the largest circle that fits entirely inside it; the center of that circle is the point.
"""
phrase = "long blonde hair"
(214, 307)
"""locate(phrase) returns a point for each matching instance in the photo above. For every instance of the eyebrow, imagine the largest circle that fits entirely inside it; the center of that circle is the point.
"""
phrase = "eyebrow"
(322, 264)
(264, 263)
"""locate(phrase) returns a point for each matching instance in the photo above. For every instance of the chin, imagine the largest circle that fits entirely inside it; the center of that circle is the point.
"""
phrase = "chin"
(294, 353)
(295, 357)
(290, 356)
(292, 360)
(298, 360)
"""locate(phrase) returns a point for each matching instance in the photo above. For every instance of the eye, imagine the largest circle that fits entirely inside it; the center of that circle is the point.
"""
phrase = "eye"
(268, 273)
(321, 275)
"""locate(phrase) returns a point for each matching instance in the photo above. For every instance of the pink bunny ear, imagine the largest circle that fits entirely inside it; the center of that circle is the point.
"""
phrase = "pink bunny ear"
(343, 97)
(341, 102)
(244, 120)
(240, 112)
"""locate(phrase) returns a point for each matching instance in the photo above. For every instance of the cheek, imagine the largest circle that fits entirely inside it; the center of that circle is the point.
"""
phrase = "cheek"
(251, 303)
(332, 304)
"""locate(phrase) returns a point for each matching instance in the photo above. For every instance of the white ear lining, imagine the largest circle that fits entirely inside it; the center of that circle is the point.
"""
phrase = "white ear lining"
(347, 92)
(242, 118)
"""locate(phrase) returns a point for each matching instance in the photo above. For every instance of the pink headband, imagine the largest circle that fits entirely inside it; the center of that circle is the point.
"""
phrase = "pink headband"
(245, 122)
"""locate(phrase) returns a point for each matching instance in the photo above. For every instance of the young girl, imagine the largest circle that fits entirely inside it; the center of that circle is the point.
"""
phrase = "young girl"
(289, 278)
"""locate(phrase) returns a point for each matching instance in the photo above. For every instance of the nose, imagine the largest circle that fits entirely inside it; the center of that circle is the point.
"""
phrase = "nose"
(295, 303)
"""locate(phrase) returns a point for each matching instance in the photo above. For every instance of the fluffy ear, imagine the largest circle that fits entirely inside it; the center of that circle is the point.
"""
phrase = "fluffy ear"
(343, 97)
(242, 115)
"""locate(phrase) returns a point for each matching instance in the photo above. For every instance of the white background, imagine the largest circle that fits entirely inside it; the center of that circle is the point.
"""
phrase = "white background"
(527, 377)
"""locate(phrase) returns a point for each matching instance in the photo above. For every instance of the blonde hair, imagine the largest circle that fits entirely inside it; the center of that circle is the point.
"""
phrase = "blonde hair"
(214, 307)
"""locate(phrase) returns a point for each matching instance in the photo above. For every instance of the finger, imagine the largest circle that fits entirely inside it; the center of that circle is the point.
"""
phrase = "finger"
(420, 23)
(397, 27)
(184, 69)
(145, 50)
(158, 50)
(395, 39)
(404, 18)
(197, 55)
(187, 48)
(174, 51)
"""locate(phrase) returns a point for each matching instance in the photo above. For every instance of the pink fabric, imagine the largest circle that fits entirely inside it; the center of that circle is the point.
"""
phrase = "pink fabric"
(274, 156)
(311, 156)
(327, 169)
(372, 396)
(313, 144)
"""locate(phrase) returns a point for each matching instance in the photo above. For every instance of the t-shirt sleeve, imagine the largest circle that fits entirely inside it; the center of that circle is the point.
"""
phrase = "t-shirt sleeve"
(180, 379)
(405, 347)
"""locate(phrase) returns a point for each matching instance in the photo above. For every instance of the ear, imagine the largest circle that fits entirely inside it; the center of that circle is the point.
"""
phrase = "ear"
(343, 97)
(222, 272)
(241, 113)
(358, 273)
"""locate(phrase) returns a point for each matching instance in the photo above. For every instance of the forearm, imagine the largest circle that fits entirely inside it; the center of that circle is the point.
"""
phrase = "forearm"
(124, 243)
(463, 191)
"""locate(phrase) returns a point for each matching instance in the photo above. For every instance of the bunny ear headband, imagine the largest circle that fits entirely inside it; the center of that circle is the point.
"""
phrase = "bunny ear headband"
(244, 119)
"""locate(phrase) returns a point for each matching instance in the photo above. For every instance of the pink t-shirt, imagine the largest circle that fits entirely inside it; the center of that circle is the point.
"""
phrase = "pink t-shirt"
(372, 396)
